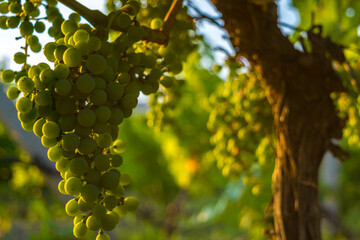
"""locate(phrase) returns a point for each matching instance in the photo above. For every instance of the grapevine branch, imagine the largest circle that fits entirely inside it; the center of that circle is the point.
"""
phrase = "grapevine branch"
(98, 19)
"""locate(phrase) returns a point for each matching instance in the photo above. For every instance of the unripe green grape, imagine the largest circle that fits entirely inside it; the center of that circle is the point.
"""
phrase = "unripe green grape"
(35, 48)
(93, 176)
(103, 140)
(62, 165)
(70, 141)
(98, 211)
(134, 59)
(87, 145)
(74, 17)
(82, 47)
(28, 117)
(7, 76)
(68, 154)
(13, 93)
(114, 131)
(125, 179)
(135, 33)
(54, 153)
(52, 116)
(59, 52)
(3, 20)
(100, 83)
(110, 202)
(113, 63)
(44, 111)
(78, 166)
(119, 146)
(129, 100)
(26, 84)
(24, 105)
(68, 175)
(131, 203)
(114, 91)
(109, 180)
(67, 122)
(19, 58)
(123, 21)
(80, 230)
(33, 71)
(102, 236)
(28, 126)
(123, 66)
(133, 87)
(65, 106)
(73, 186)
(15, 7)
(68, 26)
(154, 75)
(103, 113)
(26, 28)
(48, 142)
(108, 222)
(38, 127)
(39, 27)
(61, 71)
(96, 64)
(123, 78)
(156, 23)
(94, 44)
(100, 127)
(86, 117)
(51, 129)
(84, 206)
(82, 131)
(109, 74)
(39, 85)
(89, 193)
(43, 66)
(175, 67)
(106, 48)
(48, 51)
(167, 81)
(43, 98)
(12, 22)
(102, 162)
(149, 87)
(79, 217)
(52, 13)
(98, 97)
(32, 40)
(61, 187)
(93, 223)
(72, 57)
(116, 160)
(47, 76)
(85, 84)
(28, 8)
(119, 191)
(71, 207)
(81, 35)
(116, 116)
(4, 7)
(62, 87)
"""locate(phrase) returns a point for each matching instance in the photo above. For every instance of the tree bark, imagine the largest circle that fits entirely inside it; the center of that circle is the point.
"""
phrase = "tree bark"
(298, 86)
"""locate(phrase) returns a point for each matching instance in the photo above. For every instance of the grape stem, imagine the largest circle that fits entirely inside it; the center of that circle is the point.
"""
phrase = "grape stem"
(98, 19)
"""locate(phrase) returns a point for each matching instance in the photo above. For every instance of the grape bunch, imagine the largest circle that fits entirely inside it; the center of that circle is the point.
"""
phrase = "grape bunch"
(76, 106)
(240, 118)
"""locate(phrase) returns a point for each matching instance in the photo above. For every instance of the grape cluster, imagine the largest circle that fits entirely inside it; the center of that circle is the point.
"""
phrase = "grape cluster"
(76, 107)
(240, 118)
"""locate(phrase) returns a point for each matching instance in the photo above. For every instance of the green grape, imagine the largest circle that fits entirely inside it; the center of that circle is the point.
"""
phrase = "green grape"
(156, 23)
(119, 146)
(43, 66)
(33, 71)
(110, 202)
(123, 78)
(12, 22)
(3, 20)
(149, 87)
(93, 223)
(78, 166)
(38, 127)
(87, 145)
(32, 40)
(28, 117)
(39, 27)
(94, 44)
(118, 191)
(100, 127)
(15, 7)
(54, 153)
(98, 211)
(70, 142)
(7, 76)
(103, 113)
(100, 83)
(24, 105)
(59, 52)
(133, 87)
(135, 33)
(106, 48)
(28, 8)
(93, 176)
(48, 142)
(73, 186)
(102, 236)
(28, 126)
(47, 76)
(84, 206)
(62, 87)
(82, 47)
(79, 217)
(109, 180)
(103, 140)
(175, 67)
(125, 179)
(108, 222)
(48, 51)
(61, 187)
(25, 84)
(68, 175)
(135, 5)
(65, 106)
(68, 26)
(74, 17)
(13, 93)
(72, 206)
(123, 21)
(96, 64)
(123, 66)
(89, 193)
(26, 28)
(129, 100)
(113, 63)
(35, 48)
(82, 131)
(81, 35)
(134, 59)
(116, 161)
(116, 116)
(61, 71)
(80, 230)
(51, 129)
(109, 74)
(62, 165)
(98, 97)
(154, 75)
(67, 122)
(19, 58)
(167, 81)
(85, 84)
(114, 131)
(68, 154)
(4, 7)
(52, 116)
(86, 117)
(114, 91)
(131, 203)
(72, 57)
(43, 98)
(102, 162)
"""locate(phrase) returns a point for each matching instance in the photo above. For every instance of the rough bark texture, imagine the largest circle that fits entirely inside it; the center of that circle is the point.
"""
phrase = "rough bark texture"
(298, 87)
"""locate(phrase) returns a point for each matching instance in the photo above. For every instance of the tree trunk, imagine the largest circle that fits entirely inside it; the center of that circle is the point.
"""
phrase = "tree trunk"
(298, 86)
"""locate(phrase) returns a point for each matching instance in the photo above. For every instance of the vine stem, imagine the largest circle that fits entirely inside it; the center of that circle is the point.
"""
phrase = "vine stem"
(97, 18)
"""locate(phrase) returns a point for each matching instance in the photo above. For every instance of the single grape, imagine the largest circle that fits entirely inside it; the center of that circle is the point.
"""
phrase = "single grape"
(82, 131)
(102, 162)
(26, 84)
(93, 176)
(114, 91)
(70, 142)
(96, 64)
(62, 87)
(116, 117)
(65, 106)
(80, 230)
(108, 222)
(43, 98)
(78, 166)
(103, 140)
(125, 179)
(7, 76)
(93, 223)
(102, 236)
(12, 22)
(109, 180)
(24, 105)
(73, 186)
(61, 71)
(26, 28)
(51, 129)
(85, 84)
(13, 93)
(79, 217)
(62, 165)
(86, 117)
(103, 113)
(84, 206)
(131, 203)
(30, 116)
(39, 27)
(38, 127)
(54, 153)
(19, 58)
(72, 57)
(61, 187)
(116, 160)
(129, 100)
(119, 146)
(67, 122)
(110, 201)
(68, 26)
(72, 206)
(48, 142)
(28, 126)
(87, 145)
(123, 21)
(98, 97)
(59, 52)
(98, 211)
(89, 193)
(81, 35)
(47, 76)
(74, 17)
(167, 81)
(94, 44)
